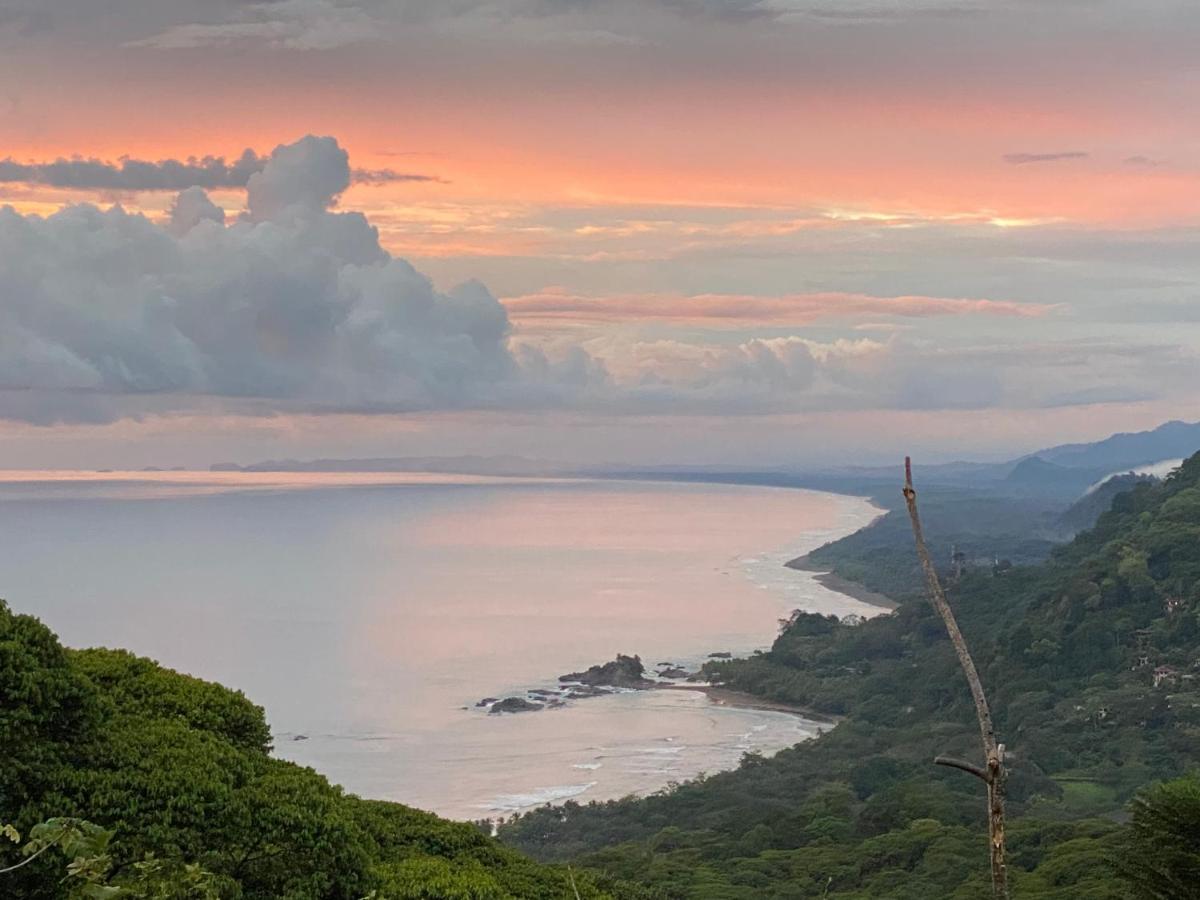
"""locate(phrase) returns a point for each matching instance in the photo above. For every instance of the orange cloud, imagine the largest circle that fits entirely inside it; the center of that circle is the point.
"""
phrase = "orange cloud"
(557, 306)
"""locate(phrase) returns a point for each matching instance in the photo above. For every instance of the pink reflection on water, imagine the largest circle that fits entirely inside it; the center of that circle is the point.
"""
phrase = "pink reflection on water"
(553, 581)
(156, 484)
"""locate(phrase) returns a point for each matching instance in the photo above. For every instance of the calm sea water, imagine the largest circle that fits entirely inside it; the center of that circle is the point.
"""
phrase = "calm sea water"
(369, 613)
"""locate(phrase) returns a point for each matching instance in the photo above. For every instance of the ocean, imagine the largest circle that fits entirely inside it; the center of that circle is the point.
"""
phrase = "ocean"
(369, 613)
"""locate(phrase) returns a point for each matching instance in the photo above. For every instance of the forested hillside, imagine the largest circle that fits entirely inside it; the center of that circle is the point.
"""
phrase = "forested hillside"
(178, 769)
(984, 528)
(1092, 664)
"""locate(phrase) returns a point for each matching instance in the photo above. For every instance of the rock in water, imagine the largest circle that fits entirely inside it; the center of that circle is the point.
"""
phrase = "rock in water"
(514, 705)
(582, 691)
(624, 671)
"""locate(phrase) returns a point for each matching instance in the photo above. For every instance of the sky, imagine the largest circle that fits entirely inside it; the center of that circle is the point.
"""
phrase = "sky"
(752, 232)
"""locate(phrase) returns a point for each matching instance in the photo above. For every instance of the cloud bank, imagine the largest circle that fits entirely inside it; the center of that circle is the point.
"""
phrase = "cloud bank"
(209, 173)
(104, 313)
(294, 307)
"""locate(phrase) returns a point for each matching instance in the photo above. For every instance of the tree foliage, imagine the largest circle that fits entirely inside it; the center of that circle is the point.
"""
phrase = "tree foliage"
(1160, 856)
(1092, 662)
(187, 802)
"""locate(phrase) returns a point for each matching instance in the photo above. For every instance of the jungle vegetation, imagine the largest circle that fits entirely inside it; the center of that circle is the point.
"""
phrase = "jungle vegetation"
(1091, 661)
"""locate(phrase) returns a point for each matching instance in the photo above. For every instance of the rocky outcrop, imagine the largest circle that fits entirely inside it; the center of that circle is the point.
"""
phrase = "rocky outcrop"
(674, 672)
(514, 705)
(622, 672)
(583, 691)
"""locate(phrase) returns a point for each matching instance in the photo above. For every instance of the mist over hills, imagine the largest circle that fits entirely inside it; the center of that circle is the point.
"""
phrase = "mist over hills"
(1170, 440)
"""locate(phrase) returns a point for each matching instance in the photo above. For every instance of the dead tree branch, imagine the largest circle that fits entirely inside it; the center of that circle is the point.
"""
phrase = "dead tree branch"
(993, 774)
(969, 768)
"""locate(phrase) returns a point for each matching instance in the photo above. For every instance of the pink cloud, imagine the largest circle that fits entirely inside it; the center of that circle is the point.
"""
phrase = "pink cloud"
(559, 306)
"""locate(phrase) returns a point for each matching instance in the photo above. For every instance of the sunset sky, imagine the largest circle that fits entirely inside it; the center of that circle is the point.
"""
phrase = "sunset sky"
(702, 231)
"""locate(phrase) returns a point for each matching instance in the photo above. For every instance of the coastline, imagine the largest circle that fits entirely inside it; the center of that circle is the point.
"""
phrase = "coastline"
(723, 696)
(841, 585)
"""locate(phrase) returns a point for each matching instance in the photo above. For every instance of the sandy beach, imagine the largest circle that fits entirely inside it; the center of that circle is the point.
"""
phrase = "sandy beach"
(836, 582)
(723, 696)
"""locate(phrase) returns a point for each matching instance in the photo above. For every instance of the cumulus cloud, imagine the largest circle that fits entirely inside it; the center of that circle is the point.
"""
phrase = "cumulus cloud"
(789, 374)
(294, 306)
(1021, 159)
(208, 172)
(191, 208)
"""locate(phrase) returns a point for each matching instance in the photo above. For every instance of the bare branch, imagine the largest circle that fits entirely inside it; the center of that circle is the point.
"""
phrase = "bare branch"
(969, 768)
(994, 775)
(938, 598)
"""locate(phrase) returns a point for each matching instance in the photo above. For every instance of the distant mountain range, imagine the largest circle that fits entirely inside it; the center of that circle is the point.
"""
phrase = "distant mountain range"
(1077, 467)
(1067, 470)
(1172, 440)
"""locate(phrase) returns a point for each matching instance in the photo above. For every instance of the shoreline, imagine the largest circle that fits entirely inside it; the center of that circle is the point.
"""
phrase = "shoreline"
(723, 696)
(840, 585)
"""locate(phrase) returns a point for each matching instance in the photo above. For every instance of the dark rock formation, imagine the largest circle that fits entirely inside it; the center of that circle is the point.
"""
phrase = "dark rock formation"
(583, 691)
(487, 701)
(514, 705)
(624, 671)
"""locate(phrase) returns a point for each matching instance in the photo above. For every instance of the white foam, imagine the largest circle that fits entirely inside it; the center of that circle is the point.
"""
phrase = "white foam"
(510, 803)
(588, 766)
(799, 589)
